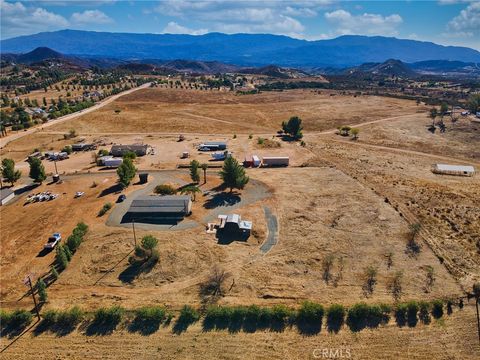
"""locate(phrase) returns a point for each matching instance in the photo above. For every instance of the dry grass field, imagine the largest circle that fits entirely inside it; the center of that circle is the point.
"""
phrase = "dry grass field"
(348, 201)
(161, 110)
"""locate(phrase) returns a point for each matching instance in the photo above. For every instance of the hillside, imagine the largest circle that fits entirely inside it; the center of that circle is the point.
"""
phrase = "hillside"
(241, 49)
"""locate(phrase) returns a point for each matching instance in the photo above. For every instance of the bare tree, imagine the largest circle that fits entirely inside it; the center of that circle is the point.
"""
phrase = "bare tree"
(395, 285)
(389, 259)
(370, 280)
(213, 286)
(429, 278)
(327, 267)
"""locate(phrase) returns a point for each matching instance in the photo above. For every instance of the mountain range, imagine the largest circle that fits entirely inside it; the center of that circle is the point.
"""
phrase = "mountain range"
(43, 56)
(240, 49)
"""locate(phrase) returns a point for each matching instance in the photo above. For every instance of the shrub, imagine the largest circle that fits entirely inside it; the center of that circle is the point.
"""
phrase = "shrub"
(54, 272)
(70, 318)
(165, 189)
(252, 317)
(61, 258)
(104, 209)
(309, 317)
(20, 319)
(5, 318)
(335, 317)
(67, 149)
(401, 314)
(50, 317)
(412, 310)
(424, 312)
(260, 141)
(109, 317)
(281, 315)
(362, 315)
(437, 309)
(42, 290)
(150, 314)
(188, 315)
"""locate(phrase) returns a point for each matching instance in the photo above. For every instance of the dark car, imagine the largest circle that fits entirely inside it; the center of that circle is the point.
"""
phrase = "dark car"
(121, 198)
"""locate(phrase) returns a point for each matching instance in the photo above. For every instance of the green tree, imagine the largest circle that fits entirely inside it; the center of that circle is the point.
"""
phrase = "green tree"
(233, 174)
(8, 171)
(443, 109)
(204, 167)
(126, 172)
(192, 190)
(433, 114)
(354, 132)
(42, 290)
(194, 173)
(37, 171)
(293, 127)
(129, 155)
(61, 258)
(473, 103)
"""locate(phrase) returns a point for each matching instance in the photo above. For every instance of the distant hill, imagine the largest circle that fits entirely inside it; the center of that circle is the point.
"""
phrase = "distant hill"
(241, 49)
(390, 67)
(275, 71)
(39, 54)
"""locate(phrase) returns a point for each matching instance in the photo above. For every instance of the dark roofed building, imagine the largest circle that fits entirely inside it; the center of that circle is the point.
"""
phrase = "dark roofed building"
(158, 208)
(120, 150)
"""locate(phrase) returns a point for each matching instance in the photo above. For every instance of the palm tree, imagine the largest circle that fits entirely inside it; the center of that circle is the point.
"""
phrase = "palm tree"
(192, 190)
(204, 167)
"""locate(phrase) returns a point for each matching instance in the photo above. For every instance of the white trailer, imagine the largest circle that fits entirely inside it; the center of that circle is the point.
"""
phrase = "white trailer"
(221, 155)
(113, 162)
(256, 161)
(272, 161)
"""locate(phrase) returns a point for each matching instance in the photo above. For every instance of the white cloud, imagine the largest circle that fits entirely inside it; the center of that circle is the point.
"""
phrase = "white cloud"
(465, 24)
(174, 28)
(364, 24)
(91, 17)
(277, 17)
(18, 19)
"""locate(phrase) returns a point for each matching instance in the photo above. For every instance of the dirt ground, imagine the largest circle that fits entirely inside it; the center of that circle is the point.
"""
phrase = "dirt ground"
(351, 201)
(157, 110)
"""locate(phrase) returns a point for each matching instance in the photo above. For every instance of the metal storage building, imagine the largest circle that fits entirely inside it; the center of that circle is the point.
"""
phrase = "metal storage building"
(459, 170)
(170, 207)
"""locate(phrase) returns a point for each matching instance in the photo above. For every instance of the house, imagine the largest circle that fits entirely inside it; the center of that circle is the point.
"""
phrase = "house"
(82, 147)
(233, 223)
(459, 170)
(6, 195)
(169, 208)
(213, 145)
(120, 150)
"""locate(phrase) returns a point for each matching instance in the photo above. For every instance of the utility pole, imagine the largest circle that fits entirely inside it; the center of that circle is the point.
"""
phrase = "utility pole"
(55, 162)
(29, 281)
(477, 300)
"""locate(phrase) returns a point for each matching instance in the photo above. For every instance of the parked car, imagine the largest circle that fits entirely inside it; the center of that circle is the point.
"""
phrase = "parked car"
(53, 241)
(79, 193)
(121, 198)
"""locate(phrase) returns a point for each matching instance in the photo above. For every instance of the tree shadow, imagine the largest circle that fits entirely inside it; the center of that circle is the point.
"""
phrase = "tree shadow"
(135, 270)
(114, 189)
(26, 188)
(101, 328)
(309, 328)
(144, 327)
(222, 199)
(44, 252)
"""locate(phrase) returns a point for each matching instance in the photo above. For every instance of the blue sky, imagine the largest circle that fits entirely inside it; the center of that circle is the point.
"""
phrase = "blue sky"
(449, 22)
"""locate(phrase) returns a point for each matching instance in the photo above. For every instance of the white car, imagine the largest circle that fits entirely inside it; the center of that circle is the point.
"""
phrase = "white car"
(53, 241)
(79, 193)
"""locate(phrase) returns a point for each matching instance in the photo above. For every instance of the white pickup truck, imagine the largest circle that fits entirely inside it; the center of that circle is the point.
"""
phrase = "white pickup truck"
(52, 241)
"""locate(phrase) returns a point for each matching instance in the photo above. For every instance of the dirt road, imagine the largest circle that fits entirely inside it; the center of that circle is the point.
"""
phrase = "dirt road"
(9, 138)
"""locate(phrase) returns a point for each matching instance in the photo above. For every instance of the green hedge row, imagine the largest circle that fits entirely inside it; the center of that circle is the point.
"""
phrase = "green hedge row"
(308, 318)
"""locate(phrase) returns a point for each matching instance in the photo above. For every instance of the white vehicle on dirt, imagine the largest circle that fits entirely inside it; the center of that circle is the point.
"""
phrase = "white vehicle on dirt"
(79, 194)
(53, 241)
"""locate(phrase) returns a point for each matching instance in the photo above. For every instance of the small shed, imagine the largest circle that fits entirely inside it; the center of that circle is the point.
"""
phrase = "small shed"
(458, 170)
(6, 195)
